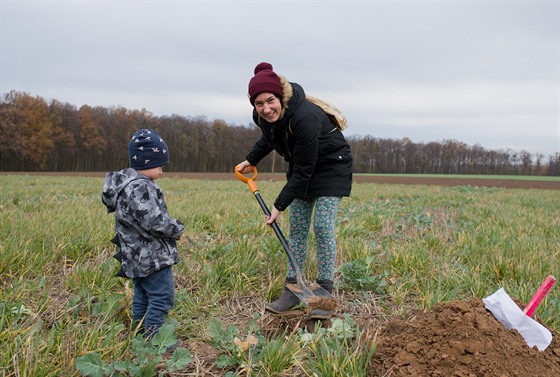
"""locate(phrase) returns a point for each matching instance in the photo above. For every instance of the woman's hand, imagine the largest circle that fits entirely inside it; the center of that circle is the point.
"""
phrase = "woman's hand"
(273, 216)
(244, 167)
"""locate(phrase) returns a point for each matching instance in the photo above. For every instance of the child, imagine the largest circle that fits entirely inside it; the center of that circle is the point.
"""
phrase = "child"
(146, 234)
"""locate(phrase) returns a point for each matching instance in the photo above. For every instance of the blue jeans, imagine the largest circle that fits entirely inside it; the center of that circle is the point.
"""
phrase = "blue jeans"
(154, 296)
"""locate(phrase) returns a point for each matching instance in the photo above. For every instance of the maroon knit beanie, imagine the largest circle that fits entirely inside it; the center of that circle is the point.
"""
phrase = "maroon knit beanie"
(265, 80)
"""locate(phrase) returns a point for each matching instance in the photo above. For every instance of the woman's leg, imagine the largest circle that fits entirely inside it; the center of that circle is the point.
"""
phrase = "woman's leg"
(324, 225)
(300, 223)
(300, 220)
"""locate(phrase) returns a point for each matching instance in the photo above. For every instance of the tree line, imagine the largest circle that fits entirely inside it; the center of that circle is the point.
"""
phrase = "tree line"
(40, 135)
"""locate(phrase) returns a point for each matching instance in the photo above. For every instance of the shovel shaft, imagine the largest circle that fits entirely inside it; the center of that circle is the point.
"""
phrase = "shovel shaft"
(280, 236)
(318, 298)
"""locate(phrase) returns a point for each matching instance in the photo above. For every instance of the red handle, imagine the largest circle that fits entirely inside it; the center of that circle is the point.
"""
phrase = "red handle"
(537, 297)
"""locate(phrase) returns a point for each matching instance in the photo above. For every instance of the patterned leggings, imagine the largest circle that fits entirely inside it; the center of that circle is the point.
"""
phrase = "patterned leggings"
(324, 223)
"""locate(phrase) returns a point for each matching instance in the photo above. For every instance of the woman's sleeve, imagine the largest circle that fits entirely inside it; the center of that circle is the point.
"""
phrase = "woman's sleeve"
(259, 151)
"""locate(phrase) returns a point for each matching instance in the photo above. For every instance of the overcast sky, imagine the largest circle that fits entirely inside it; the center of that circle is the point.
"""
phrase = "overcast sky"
(479, 72)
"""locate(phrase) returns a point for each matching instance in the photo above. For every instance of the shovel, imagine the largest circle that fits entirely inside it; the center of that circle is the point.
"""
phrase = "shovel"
(315, 297)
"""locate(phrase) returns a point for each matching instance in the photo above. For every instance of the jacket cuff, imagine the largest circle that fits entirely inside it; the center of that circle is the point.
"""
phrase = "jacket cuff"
(281, 204)
(251, 159)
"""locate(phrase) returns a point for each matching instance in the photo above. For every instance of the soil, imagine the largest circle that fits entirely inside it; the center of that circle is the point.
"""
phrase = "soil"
(459, 339)
(420, 180)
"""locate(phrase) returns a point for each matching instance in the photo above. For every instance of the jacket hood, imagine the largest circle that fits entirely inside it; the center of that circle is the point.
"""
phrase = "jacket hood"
(293, 96)
(287, 91)
(115, 182)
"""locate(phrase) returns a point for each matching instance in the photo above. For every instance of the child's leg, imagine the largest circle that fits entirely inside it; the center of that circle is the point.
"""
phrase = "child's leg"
(139, 303)
(324, 225)
(161, 298)
(300, 222)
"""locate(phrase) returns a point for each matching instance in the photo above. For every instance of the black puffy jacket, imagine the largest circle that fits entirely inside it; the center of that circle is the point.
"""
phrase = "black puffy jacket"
(320, 163)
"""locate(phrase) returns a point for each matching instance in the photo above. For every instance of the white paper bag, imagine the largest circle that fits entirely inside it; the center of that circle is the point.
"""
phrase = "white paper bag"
(506, 311)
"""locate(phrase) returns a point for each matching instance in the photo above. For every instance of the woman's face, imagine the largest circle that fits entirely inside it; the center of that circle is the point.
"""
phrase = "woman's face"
(268, 106)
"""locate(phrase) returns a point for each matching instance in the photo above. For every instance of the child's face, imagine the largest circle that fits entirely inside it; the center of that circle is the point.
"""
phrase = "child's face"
(153, 173)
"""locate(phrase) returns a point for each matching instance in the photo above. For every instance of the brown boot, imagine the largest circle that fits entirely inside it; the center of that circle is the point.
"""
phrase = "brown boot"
(318, 313)
(286, 301)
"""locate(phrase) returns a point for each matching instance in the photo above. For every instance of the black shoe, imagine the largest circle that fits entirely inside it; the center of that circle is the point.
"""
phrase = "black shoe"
(286, 301)
(173, 347)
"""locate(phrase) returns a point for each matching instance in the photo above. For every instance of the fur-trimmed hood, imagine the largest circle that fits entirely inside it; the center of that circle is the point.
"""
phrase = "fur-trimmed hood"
(287, 91)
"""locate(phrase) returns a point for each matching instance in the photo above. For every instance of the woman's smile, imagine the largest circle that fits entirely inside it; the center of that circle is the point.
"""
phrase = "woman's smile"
(268, 106)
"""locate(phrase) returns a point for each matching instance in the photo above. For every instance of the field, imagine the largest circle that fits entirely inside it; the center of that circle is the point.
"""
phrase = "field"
(415, 259)
(521, 182)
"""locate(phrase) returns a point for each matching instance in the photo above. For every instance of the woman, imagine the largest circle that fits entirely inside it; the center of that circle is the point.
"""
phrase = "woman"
(319, 172)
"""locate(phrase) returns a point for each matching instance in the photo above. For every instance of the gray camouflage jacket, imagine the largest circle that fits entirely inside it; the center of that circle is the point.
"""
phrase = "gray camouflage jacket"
(146, 233)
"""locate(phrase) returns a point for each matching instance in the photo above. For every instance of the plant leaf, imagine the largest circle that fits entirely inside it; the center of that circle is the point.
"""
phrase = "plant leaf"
(150, 368)
(215, 330)
(225, 361)
(141, 348)
(134, 371)
(179, 360)
(121, 366)
(164, 338)
(91, 365)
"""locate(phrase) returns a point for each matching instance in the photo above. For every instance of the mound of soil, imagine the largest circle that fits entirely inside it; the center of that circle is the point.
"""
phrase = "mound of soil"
(459, 339)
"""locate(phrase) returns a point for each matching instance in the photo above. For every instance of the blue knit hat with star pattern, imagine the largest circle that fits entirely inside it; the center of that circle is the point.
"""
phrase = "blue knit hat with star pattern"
(147, 150)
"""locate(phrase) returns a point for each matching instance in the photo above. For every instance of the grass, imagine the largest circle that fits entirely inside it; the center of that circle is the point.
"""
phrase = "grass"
(475, 176)
(400, 248)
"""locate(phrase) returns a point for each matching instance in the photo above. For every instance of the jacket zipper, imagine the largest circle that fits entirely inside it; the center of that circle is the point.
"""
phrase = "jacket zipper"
(286, 140)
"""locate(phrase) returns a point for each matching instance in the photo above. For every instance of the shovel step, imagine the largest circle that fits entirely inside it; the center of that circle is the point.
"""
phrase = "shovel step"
(316, 297)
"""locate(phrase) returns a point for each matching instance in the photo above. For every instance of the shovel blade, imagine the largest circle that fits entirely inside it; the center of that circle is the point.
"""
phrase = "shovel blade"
(315, 297)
